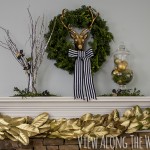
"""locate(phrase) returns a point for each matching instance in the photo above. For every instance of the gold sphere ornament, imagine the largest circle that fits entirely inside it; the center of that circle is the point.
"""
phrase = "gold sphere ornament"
(114, 72)
(125, 63)
(122, 66)
(117, 61)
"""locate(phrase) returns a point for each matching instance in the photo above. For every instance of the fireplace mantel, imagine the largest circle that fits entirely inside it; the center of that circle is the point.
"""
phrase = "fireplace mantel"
(67, 107)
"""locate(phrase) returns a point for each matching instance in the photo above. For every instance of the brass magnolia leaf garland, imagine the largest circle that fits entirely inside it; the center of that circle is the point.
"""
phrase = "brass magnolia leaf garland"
(89, 125)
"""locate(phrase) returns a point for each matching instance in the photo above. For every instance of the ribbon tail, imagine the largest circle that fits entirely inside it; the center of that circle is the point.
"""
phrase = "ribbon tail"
(78, 80)
(88, 80)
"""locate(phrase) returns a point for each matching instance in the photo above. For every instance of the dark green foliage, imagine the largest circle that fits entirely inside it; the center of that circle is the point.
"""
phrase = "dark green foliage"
(60, 42)
(127, 92)
(25, 93)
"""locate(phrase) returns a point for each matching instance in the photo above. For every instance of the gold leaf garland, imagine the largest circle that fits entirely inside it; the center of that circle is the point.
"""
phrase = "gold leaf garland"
(89, 125)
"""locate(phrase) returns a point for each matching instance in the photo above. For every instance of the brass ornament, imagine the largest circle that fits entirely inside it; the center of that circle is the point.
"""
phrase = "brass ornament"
(88, 125)
(79, 38)
(125, 63)
(117, 61)
(122, 66)
(115, 72)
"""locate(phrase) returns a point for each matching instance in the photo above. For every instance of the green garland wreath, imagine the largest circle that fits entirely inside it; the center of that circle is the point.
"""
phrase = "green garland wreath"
(60, 43)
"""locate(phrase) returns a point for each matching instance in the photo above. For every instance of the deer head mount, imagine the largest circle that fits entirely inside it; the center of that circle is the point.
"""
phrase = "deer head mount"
(79, 38)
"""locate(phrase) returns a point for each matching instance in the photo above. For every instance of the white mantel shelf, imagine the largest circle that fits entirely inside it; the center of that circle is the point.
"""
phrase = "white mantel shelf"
(67, 107)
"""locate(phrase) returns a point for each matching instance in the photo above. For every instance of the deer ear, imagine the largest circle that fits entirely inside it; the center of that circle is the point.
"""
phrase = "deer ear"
(85, 36)
(72, 35)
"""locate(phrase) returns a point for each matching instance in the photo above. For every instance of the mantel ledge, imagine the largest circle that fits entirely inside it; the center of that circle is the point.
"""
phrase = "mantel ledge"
(67, 107)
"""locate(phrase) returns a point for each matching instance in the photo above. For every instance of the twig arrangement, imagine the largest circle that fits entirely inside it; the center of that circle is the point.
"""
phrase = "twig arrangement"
(38, 46)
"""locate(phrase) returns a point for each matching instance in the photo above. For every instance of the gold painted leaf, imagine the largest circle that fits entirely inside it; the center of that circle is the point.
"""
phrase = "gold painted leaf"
(101, 122)
(17, 121)
(122, 119)
(110, 125)
(55, 124)
(134, 119)
(23, 138)
(126, 123)
(9, 136)
(88, 126)
(99, 131)
(67, 133)
(3, 127)
(146, 112)
(113, 132)
(15, 129)
(132, 130)
(46, 125)
(41, 136)
(73, 124)
(138, 111)
(87, 117)
(97, 117)
(133, 125)
(18, 135)
(28, 127)
(116, 115)
(2, 121)
(1, 133)
(63, 127)
(128, 113)
(145, 121)
(43, 130)
(31, 134)
(145, 128)
(40, 119)
(67, 137)
(54, 134)
(2, 137)
(13, 133)
(51, 136)
(78, 132)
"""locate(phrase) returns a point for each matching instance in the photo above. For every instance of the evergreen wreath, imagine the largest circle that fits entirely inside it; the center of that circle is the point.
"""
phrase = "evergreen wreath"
(60, 43)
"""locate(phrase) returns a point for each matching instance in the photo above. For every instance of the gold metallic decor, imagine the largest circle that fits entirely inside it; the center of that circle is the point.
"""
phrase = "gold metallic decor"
(122, 74)
(89, 125)
(79, 38)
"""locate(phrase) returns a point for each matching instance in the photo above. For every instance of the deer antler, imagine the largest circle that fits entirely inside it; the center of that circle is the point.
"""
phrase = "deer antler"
(74, 33)
(62, 17)
(93, 18)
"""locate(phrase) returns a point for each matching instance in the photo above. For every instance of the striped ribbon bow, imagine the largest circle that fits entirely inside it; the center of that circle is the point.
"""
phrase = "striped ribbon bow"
(83, 81)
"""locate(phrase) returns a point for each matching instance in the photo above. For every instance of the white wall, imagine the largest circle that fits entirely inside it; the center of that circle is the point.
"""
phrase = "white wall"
(128, 20)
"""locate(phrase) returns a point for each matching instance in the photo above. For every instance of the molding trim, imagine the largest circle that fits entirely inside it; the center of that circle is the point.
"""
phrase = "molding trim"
(67, 107)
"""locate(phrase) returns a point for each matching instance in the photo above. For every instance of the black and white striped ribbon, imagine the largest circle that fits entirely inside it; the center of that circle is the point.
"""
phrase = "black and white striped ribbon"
(83, 81)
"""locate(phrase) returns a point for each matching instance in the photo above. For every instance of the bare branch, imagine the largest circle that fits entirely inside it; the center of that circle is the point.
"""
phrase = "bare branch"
(38, 46)
(10, 45)
(51, 34)
(4, 45)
